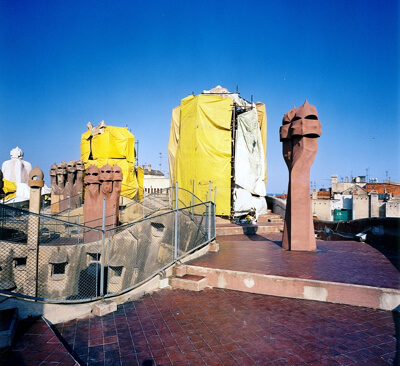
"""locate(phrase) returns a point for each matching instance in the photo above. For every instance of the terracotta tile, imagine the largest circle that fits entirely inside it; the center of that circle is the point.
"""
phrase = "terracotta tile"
(197, 327)
(162, 361)
(129, 360)
(52, 357)
(96, 341)
(110, 339)
(111, 354)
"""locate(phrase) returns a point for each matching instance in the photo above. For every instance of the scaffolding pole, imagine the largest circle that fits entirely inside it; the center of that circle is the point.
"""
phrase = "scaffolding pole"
(233, 149)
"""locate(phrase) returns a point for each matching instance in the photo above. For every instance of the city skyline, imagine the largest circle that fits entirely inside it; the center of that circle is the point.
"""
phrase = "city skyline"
(131, 63)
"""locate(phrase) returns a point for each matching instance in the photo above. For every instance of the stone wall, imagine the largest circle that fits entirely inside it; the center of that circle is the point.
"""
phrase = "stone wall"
(392, 208)
(322, 208)
(276, 205)
(361, 207)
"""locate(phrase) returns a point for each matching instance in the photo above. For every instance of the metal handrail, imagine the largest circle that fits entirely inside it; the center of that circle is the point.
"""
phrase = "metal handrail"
(107, 234)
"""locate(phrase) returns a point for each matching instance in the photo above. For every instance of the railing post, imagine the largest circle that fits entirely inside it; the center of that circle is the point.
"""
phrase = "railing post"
(215, 209)
(69, 211)
(193, 201)
(176, 222)
(114, 209)
(209, 211)
(214, 219)
(144, 197)
(103, 237)
(79, 228)
(32, 245)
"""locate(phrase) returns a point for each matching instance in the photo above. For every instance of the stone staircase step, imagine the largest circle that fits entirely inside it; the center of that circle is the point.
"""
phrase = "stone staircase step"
(8, 326)
(222, 220)
(300, 288)
(269, 217)
(233, 229)
(277, 219)
(189, 282)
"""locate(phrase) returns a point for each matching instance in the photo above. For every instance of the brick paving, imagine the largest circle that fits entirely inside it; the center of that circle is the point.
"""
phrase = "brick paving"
(335, 261)
(36, 344)
(223, 327)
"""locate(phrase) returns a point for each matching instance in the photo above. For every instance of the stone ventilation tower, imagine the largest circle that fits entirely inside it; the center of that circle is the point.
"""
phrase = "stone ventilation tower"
(101, 183)
(299, 136)
(67, 185)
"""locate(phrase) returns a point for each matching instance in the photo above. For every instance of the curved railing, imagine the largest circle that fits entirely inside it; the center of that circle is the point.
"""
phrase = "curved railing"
(51, 259)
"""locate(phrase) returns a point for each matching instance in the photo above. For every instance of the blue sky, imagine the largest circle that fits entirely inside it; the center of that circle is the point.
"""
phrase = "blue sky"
(64, 64)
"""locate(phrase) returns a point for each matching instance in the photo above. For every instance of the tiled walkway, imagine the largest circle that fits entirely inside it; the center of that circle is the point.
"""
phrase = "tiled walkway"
(335, 261)
(36, 344)
(221, 327)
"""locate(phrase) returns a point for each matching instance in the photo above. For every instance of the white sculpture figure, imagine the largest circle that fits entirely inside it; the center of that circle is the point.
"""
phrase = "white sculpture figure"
(16, 170)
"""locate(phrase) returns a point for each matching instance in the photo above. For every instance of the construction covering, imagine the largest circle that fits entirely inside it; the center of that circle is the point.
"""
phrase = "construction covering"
(140, 180)
(262, 120)
(250, 181)
(173, 141)
(200, 151)
(115, 146)
(202, 143)
(9, 189)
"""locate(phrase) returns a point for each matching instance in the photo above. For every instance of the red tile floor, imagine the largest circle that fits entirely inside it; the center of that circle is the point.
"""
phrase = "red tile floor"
(35, 343)
(336, 261)
(223, 327)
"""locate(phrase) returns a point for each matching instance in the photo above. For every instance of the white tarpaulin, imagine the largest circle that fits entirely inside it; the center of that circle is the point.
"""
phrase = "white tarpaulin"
(249, 165)
(245, 202)
(249, 156)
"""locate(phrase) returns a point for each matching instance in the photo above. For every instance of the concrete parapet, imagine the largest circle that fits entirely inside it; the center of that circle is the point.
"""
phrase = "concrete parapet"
(214, 247)
(104, 308)
(334, 292)
(180, 270)
(189, 282)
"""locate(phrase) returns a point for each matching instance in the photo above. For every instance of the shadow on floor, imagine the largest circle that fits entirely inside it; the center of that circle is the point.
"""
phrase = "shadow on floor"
(256, 237)
(396, 320)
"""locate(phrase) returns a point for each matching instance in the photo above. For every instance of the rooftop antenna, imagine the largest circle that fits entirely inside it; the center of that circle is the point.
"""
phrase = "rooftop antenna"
(160, 161)
(237, 89)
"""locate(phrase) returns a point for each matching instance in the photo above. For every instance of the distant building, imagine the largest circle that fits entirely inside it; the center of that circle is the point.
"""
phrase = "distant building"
(356, 200)
(154, 180)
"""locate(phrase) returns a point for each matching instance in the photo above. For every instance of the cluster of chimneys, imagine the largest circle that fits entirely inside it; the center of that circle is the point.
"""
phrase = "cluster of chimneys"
(148, 167)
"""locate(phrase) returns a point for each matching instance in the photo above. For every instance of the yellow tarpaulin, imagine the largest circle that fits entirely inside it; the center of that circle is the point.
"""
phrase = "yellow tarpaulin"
(9, 189)
(113, 143)
(203, 150)
(173, 141)
(262, 120)
(140, 179)
(116, 145)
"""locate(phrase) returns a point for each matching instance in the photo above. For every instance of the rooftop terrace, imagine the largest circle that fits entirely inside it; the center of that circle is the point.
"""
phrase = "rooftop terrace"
(218, 326)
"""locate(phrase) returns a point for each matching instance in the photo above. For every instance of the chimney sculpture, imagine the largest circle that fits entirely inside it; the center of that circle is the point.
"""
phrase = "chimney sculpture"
(104, 182)
(299, 133)
(67, 185)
